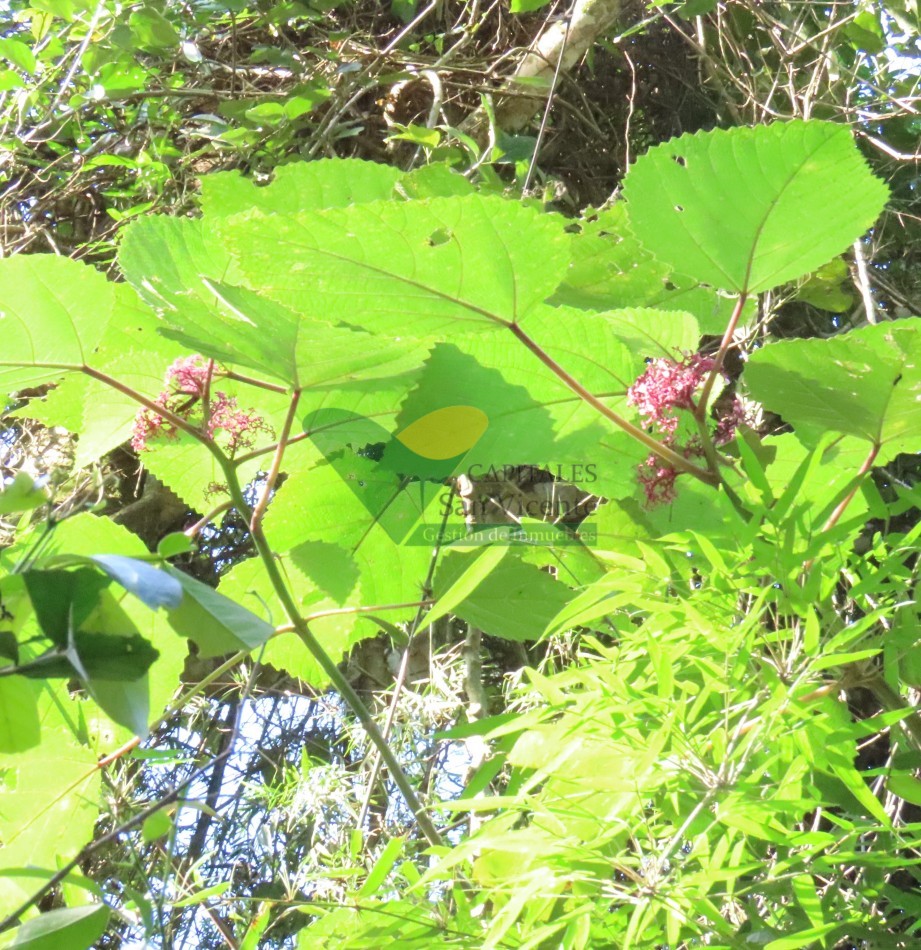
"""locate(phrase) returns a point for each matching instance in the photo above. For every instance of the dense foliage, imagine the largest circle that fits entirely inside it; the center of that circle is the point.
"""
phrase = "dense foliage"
(399, 411)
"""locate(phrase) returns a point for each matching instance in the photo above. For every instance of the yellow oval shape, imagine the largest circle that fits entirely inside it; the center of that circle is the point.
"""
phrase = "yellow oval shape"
(445, 433)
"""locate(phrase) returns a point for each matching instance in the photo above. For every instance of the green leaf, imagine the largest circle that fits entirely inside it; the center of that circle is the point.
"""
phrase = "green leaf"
(474, 573)
(63, 599)
(52, 311)
(150, 585)
(175, 544)
(526, 6)
(94, 656)
(20, 728)
(418, 135)
(865, 383)
(827, 287)
(746, 209)
(454, 392)
(906, 786)
(19, 54)
(48, 814)
(382, 867)
(278, 343)
(156, 825)
(693, 8)
(418, 268)
(126, 702)
(131, 350)
(152, 31)
(76, 928)
(301, 186)
(215, 623)
(495, 602)
(204, 894)
(179, 272)
(22, 494)
(611, 270)
(433, 181)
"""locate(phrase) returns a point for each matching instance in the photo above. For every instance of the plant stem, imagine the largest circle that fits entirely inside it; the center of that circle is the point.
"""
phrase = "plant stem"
(676, 461)
(272, 476)
(865, 467)
(720, 357)
(329, 667)
(267, 555)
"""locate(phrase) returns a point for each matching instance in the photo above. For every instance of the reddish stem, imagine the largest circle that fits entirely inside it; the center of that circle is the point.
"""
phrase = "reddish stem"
(676, 461)
(720, 357)
(261, 505)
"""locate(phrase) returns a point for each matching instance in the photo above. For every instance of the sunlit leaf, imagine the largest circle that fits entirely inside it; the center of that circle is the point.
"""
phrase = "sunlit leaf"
(746, 209)
(865, 383)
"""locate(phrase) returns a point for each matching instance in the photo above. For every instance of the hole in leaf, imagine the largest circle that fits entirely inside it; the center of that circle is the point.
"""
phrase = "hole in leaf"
(438, 237)
(679, 208)
(669, 285)
(681, 160)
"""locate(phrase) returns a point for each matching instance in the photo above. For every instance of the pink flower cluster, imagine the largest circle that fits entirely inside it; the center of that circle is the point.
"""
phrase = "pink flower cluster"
(186, 393)
(661, 394)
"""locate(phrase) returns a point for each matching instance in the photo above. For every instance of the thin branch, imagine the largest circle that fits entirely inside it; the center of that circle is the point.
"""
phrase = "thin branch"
(863, 282)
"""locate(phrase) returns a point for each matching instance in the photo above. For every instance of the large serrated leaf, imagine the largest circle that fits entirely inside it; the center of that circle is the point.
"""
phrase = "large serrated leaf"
(415, 268)
(746, 209)
(611, 270)
(866, 383)
(182, 272)
(132, 351)
(52, 311)
(302, 186)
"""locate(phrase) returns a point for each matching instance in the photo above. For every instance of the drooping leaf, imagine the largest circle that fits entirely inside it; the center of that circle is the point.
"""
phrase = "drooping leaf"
(149, 584)
(182, 271)
(865, 383)
(273, 340)
(416, 268)
(76, 928)
(94, 656)
(215, 623)
(746, 209)
(63, 599)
